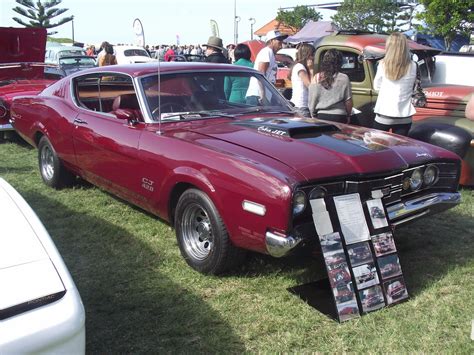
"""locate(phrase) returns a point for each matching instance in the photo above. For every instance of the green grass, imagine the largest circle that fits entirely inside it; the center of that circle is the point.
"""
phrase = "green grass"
(141, 297)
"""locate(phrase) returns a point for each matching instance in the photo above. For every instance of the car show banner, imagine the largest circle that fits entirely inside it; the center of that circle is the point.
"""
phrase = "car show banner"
(139, 33)
(359, 252)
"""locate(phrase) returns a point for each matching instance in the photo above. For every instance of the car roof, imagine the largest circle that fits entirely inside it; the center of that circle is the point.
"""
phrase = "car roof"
(141, 69)
(65, 48)
(371, 44)
(128, 47)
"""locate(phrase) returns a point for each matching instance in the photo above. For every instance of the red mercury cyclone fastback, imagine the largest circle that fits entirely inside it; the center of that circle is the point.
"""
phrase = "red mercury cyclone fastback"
(228, 175)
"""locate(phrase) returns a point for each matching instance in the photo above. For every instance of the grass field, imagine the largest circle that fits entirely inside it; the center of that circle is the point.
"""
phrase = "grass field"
(141, 297)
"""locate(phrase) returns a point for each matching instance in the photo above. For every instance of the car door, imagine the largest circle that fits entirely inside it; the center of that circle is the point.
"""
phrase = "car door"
(106, 147)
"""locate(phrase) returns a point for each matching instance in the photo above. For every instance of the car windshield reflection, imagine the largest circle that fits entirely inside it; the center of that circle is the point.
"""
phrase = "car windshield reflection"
(209, 94)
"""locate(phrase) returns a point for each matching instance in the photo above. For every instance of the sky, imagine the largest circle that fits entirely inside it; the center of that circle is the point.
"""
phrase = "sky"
(163, 21)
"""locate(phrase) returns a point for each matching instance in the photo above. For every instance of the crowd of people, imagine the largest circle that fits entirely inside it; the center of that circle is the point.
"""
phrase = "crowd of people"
(326, 94)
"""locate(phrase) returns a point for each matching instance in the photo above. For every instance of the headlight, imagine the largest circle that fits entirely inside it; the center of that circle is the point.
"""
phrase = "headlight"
(416, 180)
(317, 192)
(3, 110)
(430, 176)
(299, 202)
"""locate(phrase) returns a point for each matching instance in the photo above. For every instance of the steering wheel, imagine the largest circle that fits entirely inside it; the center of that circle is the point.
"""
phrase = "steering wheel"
(168, 107)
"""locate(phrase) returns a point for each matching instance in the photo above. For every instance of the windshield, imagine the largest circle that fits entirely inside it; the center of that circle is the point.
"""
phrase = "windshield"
(70, 53)
(210, 94)
(81, 61)
(426, 65)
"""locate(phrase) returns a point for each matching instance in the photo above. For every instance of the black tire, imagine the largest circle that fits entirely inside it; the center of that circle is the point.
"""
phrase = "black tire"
(202, 236)
(51, 168)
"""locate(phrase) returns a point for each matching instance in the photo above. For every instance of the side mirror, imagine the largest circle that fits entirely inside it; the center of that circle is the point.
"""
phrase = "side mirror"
(126, 114)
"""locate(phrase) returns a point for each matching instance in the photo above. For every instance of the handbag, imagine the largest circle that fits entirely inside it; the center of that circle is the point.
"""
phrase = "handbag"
(418, 98)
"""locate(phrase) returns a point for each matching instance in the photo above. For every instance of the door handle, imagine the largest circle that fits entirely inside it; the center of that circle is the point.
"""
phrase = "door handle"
(79, 121)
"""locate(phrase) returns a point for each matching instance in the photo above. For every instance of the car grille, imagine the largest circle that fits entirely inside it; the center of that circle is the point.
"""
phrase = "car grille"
(390, 184)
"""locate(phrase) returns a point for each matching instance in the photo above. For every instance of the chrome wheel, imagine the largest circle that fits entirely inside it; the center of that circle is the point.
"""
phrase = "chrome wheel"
(47, 162)
(197, 231)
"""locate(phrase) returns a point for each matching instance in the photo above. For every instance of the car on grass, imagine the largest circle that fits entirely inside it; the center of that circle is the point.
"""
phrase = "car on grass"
(40, 307)
(229, 176)
(21, 69)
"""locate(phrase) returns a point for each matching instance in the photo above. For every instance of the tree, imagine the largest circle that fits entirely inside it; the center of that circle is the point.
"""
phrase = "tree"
(368, 15)
(446, 18)
(40, 14)
(298, 17)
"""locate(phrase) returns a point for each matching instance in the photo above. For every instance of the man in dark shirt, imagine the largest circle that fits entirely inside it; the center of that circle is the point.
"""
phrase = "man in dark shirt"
(214, 51)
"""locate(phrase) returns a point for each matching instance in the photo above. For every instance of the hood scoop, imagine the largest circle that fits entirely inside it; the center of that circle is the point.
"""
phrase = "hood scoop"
(293, 128)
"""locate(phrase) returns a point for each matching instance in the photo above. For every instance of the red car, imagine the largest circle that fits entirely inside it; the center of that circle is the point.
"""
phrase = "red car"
(228, 175)
(21, 68)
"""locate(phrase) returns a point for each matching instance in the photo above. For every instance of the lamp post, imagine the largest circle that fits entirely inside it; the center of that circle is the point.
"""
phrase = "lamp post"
(72, 23)
(252, 22)
(236, 23)
(237, 20)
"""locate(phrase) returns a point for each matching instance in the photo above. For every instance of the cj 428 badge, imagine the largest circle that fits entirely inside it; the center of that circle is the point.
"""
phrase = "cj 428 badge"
(147, 184)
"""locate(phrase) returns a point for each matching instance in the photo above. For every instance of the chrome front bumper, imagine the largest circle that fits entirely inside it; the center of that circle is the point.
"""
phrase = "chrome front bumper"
(406, 211)
(398, 214)
(279, 246)
(6, 127)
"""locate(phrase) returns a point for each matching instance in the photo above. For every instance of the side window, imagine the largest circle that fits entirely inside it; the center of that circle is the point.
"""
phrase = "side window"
(351, 66)
(100, 92)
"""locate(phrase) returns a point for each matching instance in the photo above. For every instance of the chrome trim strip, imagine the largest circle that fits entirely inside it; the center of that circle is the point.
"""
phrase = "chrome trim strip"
(278, 246)
(416, 205)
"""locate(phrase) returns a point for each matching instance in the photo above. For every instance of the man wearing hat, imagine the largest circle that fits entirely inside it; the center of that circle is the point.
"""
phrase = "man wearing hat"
(214, 50)
(265, 62)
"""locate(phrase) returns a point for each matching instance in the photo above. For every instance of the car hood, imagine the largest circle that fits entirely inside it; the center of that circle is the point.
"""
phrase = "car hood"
(318, 149)
(20, 45)
(28, 274)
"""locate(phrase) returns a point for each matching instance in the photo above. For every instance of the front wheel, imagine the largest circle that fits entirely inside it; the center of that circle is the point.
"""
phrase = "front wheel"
(51, 168)
(202, 236)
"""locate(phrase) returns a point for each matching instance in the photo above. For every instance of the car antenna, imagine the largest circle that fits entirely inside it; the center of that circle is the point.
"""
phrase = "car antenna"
(159, 96)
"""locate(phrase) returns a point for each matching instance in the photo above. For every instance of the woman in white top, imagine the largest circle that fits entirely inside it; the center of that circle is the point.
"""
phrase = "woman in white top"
(394, 80)
(301, 74)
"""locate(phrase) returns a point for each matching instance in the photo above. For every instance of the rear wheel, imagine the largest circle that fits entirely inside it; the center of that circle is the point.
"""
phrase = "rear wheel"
(202, 236)
(51, 168)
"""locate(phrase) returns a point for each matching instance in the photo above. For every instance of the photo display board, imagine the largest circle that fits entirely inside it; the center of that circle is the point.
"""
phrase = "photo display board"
(359, 252)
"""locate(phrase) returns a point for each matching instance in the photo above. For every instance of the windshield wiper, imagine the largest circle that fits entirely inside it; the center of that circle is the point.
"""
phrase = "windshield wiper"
(192, 115)
(264, 110)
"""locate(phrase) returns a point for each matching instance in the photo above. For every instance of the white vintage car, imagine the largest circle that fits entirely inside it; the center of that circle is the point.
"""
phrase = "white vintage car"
(40, 307)
(131, 54)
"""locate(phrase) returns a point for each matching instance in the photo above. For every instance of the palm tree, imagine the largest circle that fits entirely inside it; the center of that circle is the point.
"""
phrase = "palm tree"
(40, 14)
